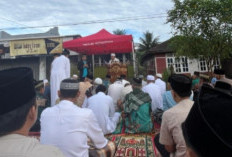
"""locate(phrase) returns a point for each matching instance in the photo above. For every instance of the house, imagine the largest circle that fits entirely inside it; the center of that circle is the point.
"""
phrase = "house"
(162, 57)
(32, 50)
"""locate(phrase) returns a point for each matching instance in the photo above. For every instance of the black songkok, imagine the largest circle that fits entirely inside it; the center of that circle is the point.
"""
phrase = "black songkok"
(16, 88)
(207, 129)
(137, 81)
(219, 72)
(181, 84)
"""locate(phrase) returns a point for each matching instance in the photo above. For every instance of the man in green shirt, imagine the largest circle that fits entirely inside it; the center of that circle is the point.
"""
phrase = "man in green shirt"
(195, 79)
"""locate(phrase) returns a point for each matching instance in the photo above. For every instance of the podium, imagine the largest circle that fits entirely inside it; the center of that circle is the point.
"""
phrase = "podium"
(115, 70)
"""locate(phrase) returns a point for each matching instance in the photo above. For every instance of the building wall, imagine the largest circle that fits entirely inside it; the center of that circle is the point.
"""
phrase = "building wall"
(160, 63)
(163, 62)
(31, 62)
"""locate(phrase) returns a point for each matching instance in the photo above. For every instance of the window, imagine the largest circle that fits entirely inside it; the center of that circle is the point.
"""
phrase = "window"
(216, 63)
(170, 62)
(179, 64)
(203, 66)
(185, 64)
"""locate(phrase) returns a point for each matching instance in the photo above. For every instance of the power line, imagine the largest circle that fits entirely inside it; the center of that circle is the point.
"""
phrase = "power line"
(14, 21)
(152, 16)
(4, 18)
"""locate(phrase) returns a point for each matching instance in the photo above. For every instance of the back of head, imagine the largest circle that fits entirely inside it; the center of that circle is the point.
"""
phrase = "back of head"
(123, 76)
(89, 77)
(137, 82)
(17, 96)
(204, 77)
(158, 75)
(150, 78)
(196, 73)
(66, 52)
(207, 129)
(181, 84)
(108, 76)
(219, 72)
(69, 88)
(101, 88)
(39, 85)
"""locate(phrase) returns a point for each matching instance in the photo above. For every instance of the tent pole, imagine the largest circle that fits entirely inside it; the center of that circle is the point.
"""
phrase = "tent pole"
(93, 63)
(133, 54)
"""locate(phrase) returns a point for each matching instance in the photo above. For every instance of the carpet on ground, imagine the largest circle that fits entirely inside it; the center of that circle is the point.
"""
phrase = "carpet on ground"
(136, 145)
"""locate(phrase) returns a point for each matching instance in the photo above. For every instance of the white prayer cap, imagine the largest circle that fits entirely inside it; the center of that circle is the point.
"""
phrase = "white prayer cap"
(112, 54)
(45, 81)
(75, 76)
(98, 81)
(159, 75)
(150, 78)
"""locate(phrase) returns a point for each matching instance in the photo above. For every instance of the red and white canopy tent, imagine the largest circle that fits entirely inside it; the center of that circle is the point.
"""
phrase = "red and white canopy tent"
(100, 43)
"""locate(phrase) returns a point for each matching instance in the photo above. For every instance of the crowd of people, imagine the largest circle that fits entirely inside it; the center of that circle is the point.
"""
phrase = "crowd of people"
(194, 112)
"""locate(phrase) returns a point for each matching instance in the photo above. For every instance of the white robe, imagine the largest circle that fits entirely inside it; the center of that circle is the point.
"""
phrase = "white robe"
(60, 70)
(154, 91)
(68, 127)
(124, 82)
(114, 91)
(103, 107)
(161, 84)
(116, 60)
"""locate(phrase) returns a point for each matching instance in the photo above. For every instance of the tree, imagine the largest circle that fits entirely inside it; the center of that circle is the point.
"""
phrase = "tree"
(203, 29)
(147, 41)
(119, 32)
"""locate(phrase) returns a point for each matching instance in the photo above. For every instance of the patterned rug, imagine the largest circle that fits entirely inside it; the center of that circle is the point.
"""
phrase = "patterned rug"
(133, 145)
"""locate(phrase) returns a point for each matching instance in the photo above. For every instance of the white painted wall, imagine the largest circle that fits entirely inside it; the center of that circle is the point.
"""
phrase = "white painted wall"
(193, 65)
(42, 68)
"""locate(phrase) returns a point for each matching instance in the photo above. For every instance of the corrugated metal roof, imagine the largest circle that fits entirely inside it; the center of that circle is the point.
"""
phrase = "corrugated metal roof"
(51, 33)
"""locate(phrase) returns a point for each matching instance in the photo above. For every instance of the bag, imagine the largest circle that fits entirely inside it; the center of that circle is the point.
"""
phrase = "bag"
(158, 115)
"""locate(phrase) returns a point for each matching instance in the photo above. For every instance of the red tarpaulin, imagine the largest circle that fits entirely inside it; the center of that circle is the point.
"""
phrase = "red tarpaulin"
(102, 42)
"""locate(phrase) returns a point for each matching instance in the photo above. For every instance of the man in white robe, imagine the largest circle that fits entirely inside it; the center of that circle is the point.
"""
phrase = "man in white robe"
(113, 59)
(73, 125)
(159, 82)
(60, 70)
(155, 93)
(103, 107)
(124, 81)
(114, 91)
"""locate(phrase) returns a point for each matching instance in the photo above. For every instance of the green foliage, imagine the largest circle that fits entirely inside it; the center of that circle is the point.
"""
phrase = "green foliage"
(100, 71)
(147, 41)
(130, 72)
(167, 72)
(204, 28)
(74, 69)
(119, 32)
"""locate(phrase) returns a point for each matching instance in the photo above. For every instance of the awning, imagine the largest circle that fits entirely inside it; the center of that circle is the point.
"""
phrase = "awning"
(102, 42)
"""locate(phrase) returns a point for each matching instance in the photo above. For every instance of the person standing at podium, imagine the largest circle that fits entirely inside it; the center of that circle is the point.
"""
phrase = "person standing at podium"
(83, 67)
(113, 59)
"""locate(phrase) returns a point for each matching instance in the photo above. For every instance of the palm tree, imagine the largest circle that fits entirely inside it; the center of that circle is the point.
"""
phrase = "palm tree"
(119, 32)
(147, 41)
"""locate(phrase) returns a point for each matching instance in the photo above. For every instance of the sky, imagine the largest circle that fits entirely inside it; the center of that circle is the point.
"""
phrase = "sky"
(137, 16)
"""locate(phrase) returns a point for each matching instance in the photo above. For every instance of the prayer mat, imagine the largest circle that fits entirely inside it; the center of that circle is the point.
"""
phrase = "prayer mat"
(137, 145)
(107, 151)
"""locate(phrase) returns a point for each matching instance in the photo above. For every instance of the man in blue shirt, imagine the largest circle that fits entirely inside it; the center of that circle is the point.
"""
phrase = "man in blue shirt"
(83, 67)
